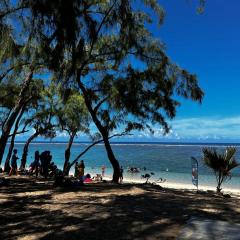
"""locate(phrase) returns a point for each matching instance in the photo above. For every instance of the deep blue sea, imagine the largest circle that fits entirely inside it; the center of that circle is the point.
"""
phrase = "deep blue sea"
(166, 160)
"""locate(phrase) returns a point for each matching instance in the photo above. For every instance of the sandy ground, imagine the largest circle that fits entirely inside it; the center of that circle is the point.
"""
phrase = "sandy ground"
(33, 209)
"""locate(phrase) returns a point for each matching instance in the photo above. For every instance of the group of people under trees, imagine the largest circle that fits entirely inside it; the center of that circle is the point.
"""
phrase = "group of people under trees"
(42, 164)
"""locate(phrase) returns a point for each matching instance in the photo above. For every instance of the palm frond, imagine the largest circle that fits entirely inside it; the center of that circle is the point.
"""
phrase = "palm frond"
(220, 163)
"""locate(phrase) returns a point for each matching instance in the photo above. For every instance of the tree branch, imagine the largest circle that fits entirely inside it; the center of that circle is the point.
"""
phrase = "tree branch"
(86, 149)
(6, 118)
(17, 133)
(100, 26)
(12, 10)
(94, 143)
(99, 104)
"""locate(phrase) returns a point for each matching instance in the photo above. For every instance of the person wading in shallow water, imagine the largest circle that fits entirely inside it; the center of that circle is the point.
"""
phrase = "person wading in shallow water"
(103, 170)
(14, 163)
(121, 175)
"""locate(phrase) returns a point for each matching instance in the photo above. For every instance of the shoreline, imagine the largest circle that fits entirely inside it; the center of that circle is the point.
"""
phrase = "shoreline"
(167, 184)
(179, 186)
(183, 186)
(167, 144)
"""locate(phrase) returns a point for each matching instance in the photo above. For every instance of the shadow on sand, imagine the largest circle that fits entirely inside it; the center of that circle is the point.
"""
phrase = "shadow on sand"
(36, 210)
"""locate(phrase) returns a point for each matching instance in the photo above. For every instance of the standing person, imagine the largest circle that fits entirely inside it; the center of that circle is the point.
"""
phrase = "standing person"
(48, 157)
(76, 173)
(41, 157)
(81, 169)
(44, 163)
(121, 175)
(14, 163)
(103, 170)
(36, 162)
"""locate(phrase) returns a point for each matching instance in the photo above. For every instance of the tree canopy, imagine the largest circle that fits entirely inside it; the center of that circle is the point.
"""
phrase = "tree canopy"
(105, 51)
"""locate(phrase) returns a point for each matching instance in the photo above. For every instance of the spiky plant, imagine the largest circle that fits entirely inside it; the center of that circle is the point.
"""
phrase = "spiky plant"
(220, 163)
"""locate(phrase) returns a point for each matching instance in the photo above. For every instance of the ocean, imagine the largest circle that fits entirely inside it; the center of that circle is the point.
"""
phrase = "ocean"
(170, 161)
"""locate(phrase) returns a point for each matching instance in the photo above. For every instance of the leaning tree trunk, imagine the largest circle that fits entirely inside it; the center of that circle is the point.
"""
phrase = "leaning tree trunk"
(103, 131)
(112, 159)
(66, 167)
(3, 143)
(12, 117)
(7, 161)
(84, 152)
(25, 150)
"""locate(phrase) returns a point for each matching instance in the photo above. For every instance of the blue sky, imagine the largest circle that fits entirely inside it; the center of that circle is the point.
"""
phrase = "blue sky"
(208, 45)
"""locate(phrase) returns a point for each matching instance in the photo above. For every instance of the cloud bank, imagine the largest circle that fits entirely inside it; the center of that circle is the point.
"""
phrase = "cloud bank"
(199, 129)
(202, 129)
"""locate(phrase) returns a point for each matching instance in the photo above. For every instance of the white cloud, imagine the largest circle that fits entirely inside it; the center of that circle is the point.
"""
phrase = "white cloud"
(184, 129)
(202, 128)
(206, 127)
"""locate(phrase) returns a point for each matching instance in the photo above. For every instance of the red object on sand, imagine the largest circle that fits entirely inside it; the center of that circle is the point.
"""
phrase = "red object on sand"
(88, 180)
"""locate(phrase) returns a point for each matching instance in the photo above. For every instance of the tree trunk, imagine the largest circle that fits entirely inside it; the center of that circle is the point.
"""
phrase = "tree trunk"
(7, 161)
(112, 159)
(103, 130)
(219, 182)
(66, 167)
(84, 151)
(12, 117)
(25, 150)
(3, 143)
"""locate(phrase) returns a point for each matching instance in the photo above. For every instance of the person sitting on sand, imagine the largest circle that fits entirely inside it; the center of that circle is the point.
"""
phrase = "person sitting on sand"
(97, 178)
(87, 178)
(52, 167)
(31, 167)
(14, 163)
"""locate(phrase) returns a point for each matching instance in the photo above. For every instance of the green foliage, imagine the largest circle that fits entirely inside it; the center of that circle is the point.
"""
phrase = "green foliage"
(220, 163)
(108, 63)
(73, 115)
(106, 48)
(41, 112)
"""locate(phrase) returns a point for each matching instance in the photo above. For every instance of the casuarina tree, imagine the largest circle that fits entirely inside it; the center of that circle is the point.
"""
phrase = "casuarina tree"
(121, 70)
(41, 118)
(18, 62)
(73, 118)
